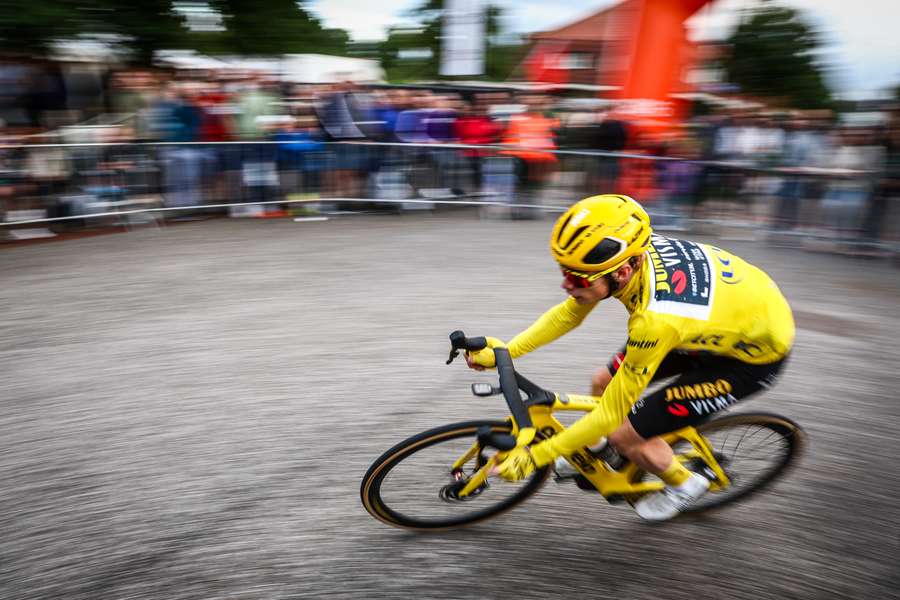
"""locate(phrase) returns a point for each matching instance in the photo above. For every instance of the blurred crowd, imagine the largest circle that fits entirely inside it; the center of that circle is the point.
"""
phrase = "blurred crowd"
(193, 141)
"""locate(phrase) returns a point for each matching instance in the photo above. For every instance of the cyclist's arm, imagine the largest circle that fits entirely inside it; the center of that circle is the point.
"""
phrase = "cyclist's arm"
(650, 345)
(560, 319)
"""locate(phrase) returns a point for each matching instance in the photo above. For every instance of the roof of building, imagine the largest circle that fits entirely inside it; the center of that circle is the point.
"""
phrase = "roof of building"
(586, 28)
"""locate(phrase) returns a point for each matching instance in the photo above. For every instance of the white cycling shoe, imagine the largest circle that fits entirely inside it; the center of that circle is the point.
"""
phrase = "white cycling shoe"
(671, 500)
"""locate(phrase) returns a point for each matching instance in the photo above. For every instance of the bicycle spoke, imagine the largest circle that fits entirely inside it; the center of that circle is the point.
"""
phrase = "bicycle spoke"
(752, 453)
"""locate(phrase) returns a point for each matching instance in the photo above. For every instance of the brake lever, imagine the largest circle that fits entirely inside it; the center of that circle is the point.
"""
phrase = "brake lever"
(453, 354)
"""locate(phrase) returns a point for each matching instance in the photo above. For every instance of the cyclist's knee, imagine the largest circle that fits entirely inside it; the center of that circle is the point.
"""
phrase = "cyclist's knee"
(600, 380)
(650, 453)
(625, 439)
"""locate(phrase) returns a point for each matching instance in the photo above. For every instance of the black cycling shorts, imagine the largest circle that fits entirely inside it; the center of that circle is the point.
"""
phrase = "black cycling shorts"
(706, 384)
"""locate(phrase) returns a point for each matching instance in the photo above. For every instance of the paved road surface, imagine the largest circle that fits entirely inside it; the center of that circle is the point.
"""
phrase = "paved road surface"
(187, 414)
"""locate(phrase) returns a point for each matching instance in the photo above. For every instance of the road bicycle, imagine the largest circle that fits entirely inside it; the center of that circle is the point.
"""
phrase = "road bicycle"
(439, 479)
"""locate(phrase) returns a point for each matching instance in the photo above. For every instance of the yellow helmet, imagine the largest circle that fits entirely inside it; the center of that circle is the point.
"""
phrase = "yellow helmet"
(598, 234)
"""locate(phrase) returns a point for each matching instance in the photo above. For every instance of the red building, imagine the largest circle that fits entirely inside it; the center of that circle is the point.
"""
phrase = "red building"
(639, 47)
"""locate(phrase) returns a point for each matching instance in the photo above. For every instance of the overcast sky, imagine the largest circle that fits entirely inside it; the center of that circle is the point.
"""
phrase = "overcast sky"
(863, 48)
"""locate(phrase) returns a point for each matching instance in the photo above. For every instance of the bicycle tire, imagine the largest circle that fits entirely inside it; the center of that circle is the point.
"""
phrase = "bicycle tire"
(372, 487)
(783, 429)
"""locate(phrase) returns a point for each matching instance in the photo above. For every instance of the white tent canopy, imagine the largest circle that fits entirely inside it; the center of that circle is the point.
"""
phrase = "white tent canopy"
(322, 68)
(296, 68)
(188, 59)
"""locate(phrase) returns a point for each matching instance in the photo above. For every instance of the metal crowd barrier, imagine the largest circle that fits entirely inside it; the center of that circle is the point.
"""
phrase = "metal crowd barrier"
(47, 188)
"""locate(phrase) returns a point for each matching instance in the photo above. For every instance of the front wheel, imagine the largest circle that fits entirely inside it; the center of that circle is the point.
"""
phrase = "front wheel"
(412, 484)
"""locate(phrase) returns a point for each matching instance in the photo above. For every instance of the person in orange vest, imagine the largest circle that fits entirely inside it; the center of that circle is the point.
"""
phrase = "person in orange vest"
(532, 134)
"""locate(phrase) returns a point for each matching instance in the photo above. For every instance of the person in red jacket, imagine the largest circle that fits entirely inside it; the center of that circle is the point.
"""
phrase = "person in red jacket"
(475, 128)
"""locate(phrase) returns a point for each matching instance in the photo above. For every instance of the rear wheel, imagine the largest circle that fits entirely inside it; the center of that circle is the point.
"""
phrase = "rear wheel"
(412, 484)
(753, 449)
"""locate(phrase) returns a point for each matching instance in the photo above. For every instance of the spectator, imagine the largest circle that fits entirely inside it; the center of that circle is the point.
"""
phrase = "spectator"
(411, 124)
(855, 161)
(254, 103)
(532, 134)
(801, 149)
(336, 115)
(216, 124)
(474, 128)
(299, 154)
(606, 134)
(678, 183)
(887, 189)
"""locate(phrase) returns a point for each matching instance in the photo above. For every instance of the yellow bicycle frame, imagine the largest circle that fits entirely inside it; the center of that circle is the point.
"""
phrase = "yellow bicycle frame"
(608, 482)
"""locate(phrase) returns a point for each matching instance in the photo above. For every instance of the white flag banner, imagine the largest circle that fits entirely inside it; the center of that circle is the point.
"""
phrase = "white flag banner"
(462, 43)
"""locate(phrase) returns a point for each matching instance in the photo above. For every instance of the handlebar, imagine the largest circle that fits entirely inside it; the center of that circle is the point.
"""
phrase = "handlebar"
(508, 381)
(459, 341)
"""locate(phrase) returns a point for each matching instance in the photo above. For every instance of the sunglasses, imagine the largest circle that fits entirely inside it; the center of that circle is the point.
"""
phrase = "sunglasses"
(580, 280)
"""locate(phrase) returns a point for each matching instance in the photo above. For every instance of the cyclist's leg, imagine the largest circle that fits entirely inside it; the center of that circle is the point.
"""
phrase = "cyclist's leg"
(692, 398)
(698, 394)
(653, 455)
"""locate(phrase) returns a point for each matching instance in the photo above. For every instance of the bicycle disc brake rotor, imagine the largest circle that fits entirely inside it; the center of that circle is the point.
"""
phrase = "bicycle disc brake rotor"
(450, 492)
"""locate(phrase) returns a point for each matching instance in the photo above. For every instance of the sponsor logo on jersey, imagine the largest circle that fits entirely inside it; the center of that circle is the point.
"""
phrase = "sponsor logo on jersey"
(679, 410)
(668, 255)
(708, 406)
(712, 339)
(706, 389)
(662, 284)
(748, 348)
(679, 280)
(683, 276)
(636, 369)
(727, 273)
(642, 344)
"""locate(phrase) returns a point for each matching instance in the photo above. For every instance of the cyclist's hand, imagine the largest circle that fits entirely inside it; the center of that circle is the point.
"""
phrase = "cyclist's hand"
(517, 464)
(520, 462)
(484, 359)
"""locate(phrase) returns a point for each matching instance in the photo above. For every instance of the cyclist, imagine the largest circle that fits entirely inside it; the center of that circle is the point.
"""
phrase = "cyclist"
(696, 311)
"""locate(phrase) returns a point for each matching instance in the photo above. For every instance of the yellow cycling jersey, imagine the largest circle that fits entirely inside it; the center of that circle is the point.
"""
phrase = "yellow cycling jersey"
(702, 298)
(685, 296)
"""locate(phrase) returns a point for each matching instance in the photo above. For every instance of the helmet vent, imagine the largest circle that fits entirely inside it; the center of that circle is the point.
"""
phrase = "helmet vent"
(574, 237)
(563, 227)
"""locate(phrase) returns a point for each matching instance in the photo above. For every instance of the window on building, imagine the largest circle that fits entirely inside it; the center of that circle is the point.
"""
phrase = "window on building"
(578, 60)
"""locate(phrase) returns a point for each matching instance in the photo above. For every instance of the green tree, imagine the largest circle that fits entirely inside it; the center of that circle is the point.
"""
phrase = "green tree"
(253, 27)
(31, 27)
(144, 26)
(28, 28)
(277, 27)
(773, 55)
